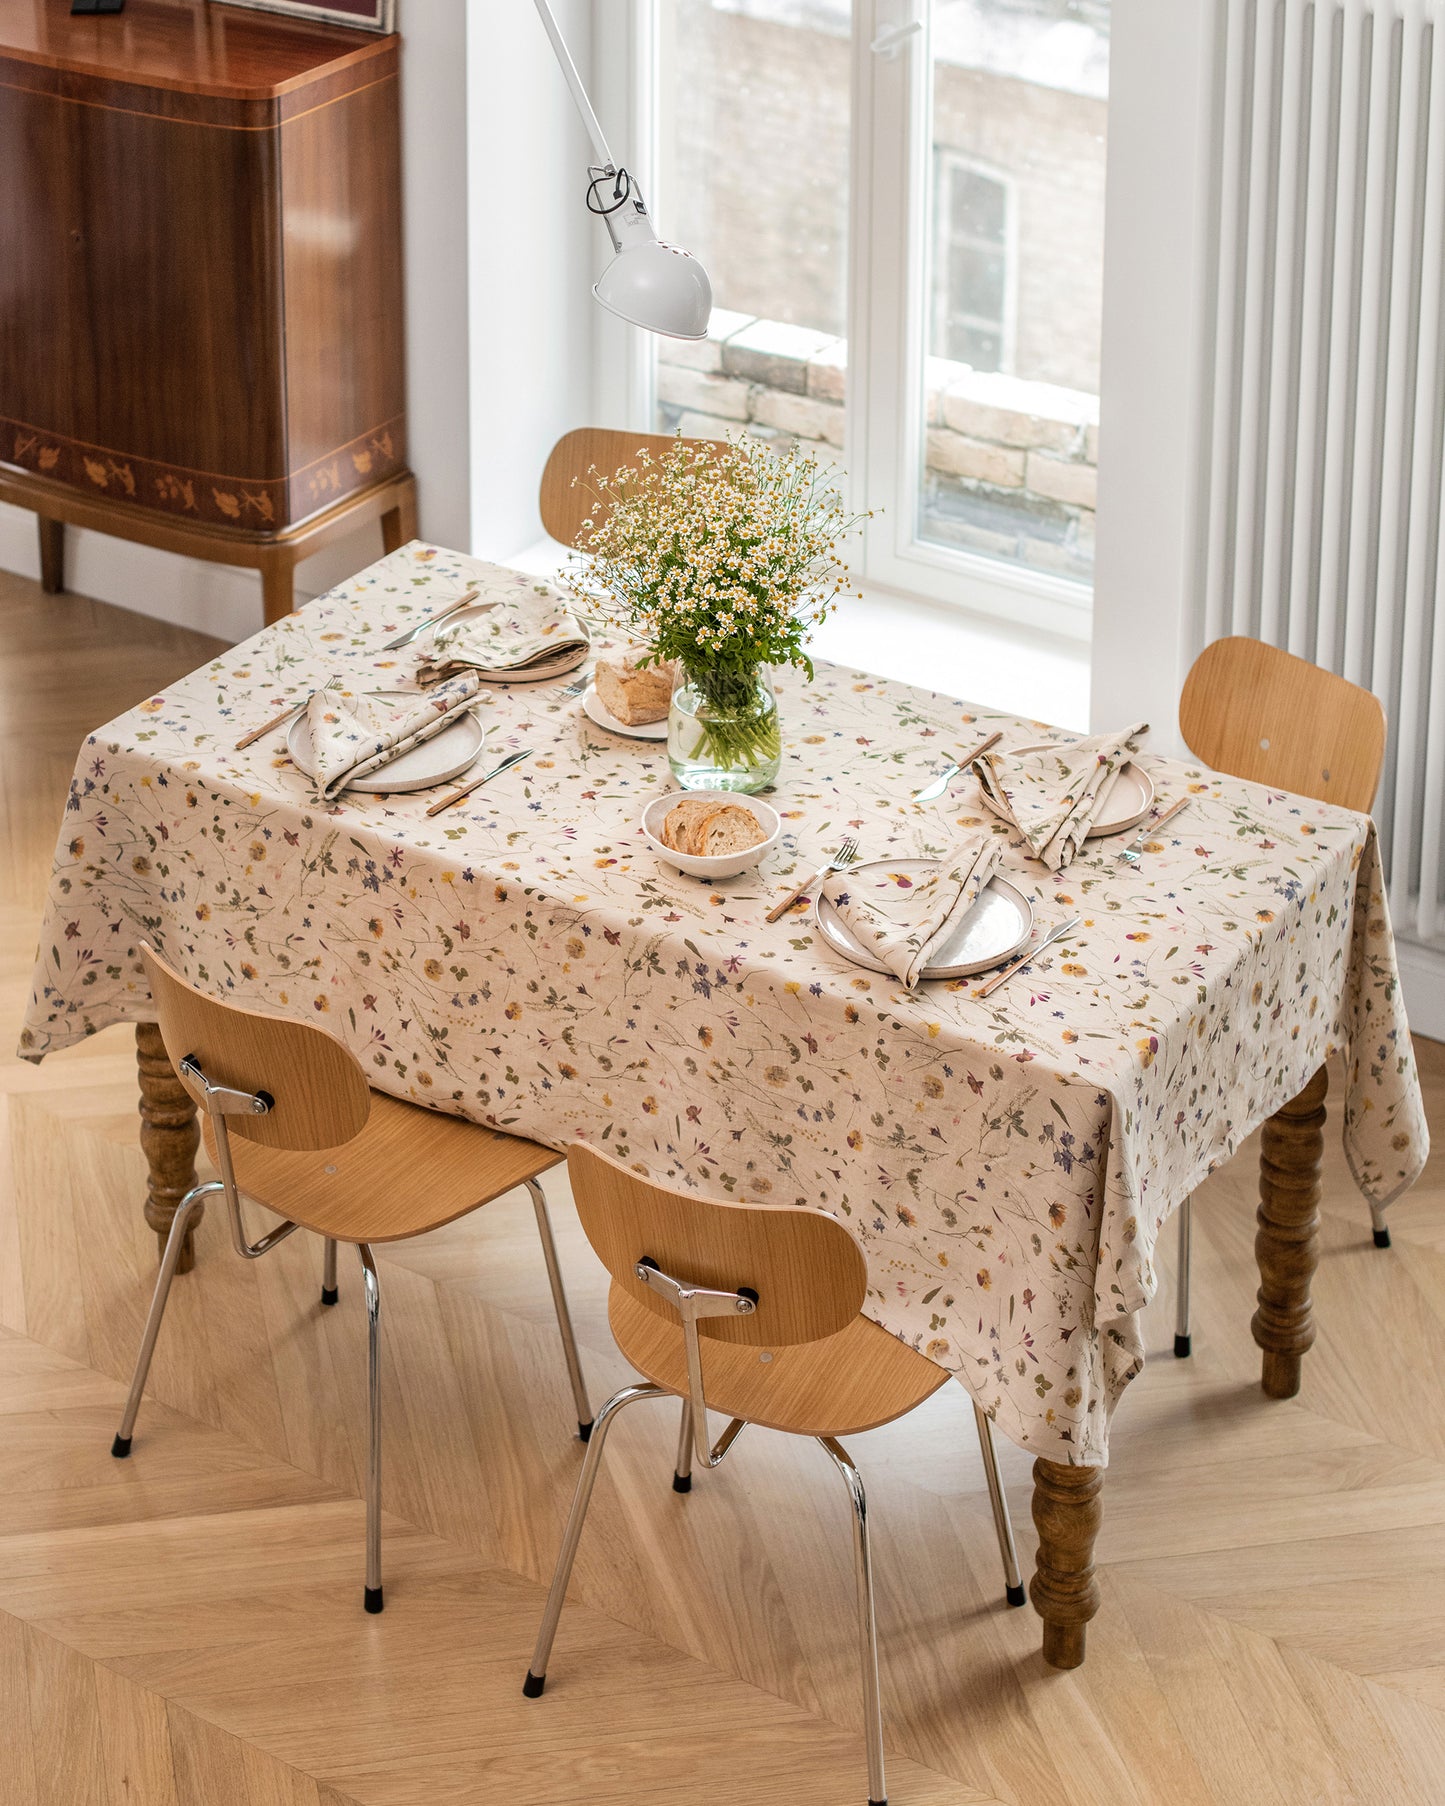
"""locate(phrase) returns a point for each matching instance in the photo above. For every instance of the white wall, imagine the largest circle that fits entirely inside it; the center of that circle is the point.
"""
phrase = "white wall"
(1150, 428)
(500, 254)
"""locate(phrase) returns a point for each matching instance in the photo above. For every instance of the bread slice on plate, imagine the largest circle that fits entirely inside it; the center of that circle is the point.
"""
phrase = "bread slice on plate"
(680, 827)
(732, 828)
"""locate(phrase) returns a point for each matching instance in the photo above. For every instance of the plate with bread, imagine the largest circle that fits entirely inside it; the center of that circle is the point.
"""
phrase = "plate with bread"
(711, 833)
(629, 699)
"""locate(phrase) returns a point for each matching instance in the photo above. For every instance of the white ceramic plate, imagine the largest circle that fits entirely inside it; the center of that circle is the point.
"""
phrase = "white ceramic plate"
(597, 710)
(998, 925)
(446, 755)
(730, 864)
(1128, 799)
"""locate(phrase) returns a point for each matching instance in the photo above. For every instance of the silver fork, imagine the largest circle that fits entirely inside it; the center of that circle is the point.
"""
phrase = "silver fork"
(576, 687)
(1134, 852)
(845, 856)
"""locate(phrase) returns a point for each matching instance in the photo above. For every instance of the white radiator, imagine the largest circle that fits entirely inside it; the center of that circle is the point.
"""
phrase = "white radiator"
(1324, 509)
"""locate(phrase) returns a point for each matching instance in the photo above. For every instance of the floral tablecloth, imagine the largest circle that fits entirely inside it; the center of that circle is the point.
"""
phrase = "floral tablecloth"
(1005, 1164)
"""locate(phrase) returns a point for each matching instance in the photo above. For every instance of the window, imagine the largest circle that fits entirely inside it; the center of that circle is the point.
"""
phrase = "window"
(903, 220)
(972, 286)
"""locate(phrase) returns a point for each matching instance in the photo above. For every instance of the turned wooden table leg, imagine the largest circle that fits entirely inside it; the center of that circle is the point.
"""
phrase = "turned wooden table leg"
(1068, 1509)
(1287, 1245)
(169, 1138)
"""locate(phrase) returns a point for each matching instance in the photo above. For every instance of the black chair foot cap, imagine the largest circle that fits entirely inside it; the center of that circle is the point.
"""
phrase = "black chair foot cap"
(1182, 1347)
(1015, 1595)
(533, 1685)
(882, 1802)
(1382, 1238)
(584, 1430)
(373, 1599)
(330, 1295)
(682, 1482)
(120, 1448)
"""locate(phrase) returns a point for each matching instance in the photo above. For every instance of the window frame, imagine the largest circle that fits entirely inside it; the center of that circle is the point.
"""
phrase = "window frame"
(890, 159)
(958, 163)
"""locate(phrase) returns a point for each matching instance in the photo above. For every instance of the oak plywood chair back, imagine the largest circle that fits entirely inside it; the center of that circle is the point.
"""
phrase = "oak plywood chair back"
(322, 1099)
(1259, 713)
(566, 499)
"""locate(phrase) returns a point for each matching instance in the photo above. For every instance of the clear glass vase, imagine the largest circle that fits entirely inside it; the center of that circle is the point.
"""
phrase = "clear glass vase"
(722, 731)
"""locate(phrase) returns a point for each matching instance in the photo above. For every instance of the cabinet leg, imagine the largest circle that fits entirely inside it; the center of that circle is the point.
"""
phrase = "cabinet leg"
(52, 554)
(169, 1138)
(1068, 1509)
(398, 524)
(278, 590)
(1287, 1245)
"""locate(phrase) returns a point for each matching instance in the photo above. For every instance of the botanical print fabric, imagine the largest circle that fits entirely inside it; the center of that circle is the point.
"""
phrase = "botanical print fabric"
(901, 917)
(1005, 1164)
(515, 622)
(1052, 795)
(354, 734)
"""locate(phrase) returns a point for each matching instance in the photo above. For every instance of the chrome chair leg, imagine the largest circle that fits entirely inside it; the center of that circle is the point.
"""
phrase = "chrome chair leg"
(372, 1597)
(682, 1470)
(329, 1293)
(1381, 1227)
(564, 1316)
(867, 1621)
(586, 1480)
(1002, 1523)
(120, 1447)
(1182, 1342)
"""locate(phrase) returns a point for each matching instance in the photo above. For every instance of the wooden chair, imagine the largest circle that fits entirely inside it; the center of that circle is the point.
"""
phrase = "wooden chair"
(755, 1313)
(565, 500)
(292, 1124)
(1259, 713)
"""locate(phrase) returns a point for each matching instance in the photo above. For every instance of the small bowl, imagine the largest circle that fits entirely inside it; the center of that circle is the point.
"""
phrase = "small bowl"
(726, 865)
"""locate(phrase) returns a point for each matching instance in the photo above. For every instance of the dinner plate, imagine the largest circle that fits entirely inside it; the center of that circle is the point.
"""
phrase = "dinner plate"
(446, 755)
(1124, 804)
(597, 710)
(998, 925)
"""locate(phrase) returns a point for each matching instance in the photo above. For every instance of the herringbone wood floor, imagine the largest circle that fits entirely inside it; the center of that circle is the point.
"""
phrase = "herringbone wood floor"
(185, 1629)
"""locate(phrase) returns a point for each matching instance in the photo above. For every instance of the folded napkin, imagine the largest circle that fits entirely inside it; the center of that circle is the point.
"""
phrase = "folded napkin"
(1052, 796)
(530, 624)
(353, 735)
(902, 918)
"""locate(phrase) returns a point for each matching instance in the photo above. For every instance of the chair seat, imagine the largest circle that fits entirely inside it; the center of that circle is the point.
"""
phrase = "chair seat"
(409, 1170)
(856, 1380)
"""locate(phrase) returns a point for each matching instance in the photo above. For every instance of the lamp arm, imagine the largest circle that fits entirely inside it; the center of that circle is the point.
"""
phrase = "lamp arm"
(574, 82)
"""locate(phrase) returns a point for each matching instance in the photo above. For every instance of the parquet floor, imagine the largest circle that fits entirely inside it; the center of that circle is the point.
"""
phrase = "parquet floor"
(185, 1629)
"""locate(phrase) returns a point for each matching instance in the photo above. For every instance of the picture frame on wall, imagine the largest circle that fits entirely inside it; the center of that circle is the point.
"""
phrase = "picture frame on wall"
(365, 15)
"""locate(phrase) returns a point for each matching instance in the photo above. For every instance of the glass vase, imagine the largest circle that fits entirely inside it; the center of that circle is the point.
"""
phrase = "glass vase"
(722, 731)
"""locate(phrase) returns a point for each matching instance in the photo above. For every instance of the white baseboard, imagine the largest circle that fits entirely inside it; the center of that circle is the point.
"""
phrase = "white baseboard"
(188, 592)
(1422, 977)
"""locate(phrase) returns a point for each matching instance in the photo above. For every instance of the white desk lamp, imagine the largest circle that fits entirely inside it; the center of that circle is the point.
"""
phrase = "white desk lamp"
(648, 283)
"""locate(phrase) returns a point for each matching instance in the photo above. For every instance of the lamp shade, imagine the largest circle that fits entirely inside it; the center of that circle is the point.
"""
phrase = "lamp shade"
(658, 286)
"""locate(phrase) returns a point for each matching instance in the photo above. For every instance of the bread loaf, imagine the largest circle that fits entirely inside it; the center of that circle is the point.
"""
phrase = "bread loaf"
(634, 696)
(677, 829)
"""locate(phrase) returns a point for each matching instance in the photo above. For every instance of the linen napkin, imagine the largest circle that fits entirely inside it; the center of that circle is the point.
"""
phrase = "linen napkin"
(529, 624)
(902, 918)
(1052, 796)
(353, 735)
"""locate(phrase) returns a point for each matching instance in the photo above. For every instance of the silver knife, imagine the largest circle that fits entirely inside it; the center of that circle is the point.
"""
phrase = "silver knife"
(1028, 954)
(931, 792)
(457, 796)
(405, 639)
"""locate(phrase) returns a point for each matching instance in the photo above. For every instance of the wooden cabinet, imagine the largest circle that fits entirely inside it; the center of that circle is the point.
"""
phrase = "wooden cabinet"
(201, 281)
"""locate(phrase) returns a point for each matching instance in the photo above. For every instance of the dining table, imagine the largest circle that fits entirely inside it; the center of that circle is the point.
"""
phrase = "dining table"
(1006, 1163)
